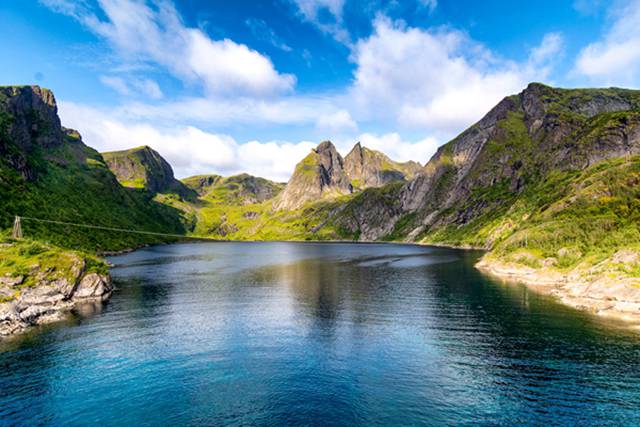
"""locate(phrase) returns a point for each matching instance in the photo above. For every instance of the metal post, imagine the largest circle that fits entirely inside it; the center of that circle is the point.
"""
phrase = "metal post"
(17, 229)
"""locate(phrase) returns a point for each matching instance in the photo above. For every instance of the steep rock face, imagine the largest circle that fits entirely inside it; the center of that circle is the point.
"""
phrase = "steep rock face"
(28, 122)
(516, 145)
(319, 175)
(369, 168)
(143, 167)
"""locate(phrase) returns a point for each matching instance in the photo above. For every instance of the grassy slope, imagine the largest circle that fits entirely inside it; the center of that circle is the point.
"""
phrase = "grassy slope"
(75, 185)
(227, 211)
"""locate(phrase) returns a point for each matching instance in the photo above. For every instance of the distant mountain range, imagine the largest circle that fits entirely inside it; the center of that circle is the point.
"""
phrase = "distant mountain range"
(549, 177)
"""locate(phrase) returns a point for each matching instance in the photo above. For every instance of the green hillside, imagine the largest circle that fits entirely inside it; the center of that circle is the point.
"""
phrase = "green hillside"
(47, 172)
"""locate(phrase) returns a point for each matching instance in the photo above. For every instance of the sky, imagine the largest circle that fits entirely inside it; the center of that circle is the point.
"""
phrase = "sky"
(224, 87)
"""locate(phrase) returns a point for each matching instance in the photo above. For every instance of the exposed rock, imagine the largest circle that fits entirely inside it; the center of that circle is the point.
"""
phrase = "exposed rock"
(28, 119)
(319, 175)
(93, 286)
(48, 300)
(11, 281)
(143, 167)
(369, 168)
(525, 136)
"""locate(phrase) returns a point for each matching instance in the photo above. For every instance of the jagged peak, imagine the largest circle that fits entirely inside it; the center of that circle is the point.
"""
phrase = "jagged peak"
(325, 146)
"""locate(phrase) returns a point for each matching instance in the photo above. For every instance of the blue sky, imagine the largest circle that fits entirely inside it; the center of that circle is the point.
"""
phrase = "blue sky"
(224, 87)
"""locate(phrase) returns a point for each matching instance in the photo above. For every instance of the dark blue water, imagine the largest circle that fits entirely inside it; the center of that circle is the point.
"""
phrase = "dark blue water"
(319, 334)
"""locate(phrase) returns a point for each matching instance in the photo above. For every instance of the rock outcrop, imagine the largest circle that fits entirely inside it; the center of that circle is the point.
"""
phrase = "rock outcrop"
(28, 121)
(143, 167)
(49, 295)
(370, 168)
(319, 175)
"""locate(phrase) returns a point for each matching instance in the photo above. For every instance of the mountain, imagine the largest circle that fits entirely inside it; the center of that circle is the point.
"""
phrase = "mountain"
(370, 168)
(143, 167)
(547, 177)
(242, 189)
(321, 174)
(47, 172)
(548, 174)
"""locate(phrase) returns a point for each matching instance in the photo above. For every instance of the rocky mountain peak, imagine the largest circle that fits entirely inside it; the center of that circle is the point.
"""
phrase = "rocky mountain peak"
(370, 168)
(319, 175)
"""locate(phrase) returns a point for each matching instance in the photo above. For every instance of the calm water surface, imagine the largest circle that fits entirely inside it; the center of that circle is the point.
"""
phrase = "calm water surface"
(319, 334)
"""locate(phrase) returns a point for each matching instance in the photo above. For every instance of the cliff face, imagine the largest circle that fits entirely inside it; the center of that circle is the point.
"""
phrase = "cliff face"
(319, 175)
(480, 174)
(143, 167)
(28, 121)
(369, 168)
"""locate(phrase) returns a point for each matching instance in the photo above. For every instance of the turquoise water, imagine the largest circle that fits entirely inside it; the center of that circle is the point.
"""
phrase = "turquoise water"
(319, 334)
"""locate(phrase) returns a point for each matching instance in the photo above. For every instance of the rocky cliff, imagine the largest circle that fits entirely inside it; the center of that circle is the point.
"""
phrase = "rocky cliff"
(319, 175)
(28, 122)
(481, 173)
(370, 168)
(143, 167)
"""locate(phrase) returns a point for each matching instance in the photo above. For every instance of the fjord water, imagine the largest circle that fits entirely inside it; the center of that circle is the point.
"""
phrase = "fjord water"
(319, 334)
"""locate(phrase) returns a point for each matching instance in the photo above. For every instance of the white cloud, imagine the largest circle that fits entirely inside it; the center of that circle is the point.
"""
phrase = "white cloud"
(116, 83)
(189, 150)
(439, 79)
(338, 122)
(616, 58)
(193, 151)
(288, 110)
(145, 87)
(140, 33)
(398, 149)
(326, 15)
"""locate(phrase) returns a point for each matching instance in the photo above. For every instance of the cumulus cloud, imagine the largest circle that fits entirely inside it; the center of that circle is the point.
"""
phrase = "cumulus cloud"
(399, 149)
(155, 33)
(192, 151)
(615, 59)
(189, 149)
(437, 79)
(338, 122)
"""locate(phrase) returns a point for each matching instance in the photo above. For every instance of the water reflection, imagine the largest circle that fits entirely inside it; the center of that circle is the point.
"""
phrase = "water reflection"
(304, 334)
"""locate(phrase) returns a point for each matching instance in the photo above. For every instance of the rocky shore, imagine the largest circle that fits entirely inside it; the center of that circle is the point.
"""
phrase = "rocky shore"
(45, 292)
(597, 289)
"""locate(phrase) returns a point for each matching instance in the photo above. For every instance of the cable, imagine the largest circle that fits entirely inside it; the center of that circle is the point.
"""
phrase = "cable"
(99, 227)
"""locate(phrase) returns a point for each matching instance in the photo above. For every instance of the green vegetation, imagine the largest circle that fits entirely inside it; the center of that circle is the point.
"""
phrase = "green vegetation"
(73, 184)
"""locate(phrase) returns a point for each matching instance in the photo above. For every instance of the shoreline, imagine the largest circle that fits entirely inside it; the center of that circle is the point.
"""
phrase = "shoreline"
(606, 297)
